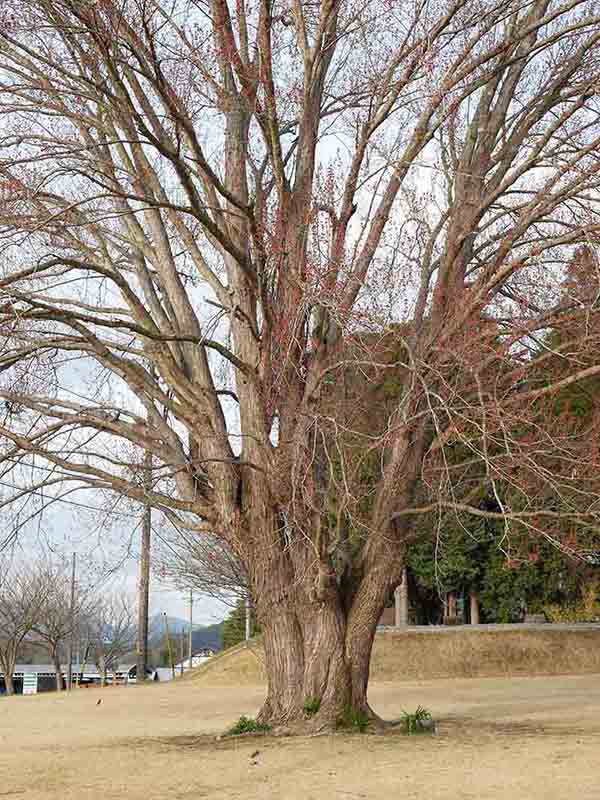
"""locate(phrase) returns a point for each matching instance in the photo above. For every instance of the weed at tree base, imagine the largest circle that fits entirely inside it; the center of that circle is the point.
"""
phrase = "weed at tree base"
(312, 706)
(419, 722)
(356, 719)
(247, 725)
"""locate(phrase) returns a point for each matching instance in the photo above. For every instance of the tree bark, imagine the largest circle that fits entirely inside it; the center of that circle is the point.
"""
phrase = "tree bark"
(319, 655)
(450, 608)
(316, 649)
(306, 660)
(401, 602)
(144, 579)
(9, 683)
(474, 597)
(7, 665)
(101, 667)
(56, 663)
(318, 626)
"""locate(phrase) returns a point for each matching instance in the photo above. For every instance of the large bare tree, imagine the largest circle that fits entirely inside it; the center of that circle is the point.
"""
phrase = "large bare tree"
(203, 564)
(212, 213)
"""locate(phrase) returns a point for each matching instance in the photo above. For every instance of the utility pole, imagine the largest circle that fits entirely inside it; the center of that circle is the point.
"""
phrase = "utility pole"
(248, 618)
(171, 661)
(72, 634)
(190, 654)
(144, 578)
(86, 653)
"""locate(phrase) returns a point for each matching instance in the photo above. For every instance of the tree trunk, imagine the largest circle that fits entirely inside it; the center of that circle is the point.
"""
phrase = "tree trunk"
(144, 579)
(450, 608)
(8, 682)
(317, 628)
(56, 663)
(324, 660)
(474, 597)
(102, 670)
(401, 602)
(318, 654)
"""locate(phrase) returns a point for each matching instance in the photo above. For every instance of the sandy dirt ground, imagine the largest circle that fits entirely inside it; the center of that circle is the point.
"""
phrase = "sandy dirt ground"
(517, 739)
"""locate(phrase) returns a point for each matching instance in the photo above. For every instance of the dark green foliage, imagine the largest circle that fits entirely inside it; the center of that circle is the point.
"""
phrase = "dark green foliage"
(413, 723)
(507, 591)
(355, 719)
(234, 626)
(162, 658)
(247, 725)
(312, 706)
(504, 590)
(471, 557)
(454, 562)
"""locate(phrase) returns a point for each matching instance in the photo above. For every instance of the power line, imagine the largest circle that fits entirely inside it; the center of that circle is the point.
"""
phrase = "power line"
(70, 502)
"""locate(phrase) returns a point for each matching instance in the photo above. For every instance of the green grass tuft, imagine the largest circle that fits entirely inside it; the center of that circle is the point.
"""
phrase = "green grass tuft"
(248, 725)
(356, 719)
(414, 723)
(312, 706)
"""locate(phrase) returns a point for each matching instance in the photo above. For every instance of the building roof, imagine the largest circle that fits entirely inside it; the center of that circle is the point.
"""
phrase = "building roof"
(48, 669)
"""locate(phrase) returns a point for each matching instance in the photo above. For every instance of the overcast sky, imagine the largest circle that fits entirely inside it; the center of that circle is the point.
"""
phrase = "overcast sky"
(106, 541)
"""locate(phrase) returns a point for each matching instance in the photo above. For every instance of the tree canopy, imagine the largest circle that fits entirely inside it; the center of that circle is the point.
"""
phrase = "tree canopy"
(214, 213)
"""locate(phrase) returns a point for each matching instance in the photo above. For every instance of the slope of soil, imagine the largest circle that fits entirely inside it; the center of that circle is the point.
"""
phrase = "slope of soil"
(451, 653)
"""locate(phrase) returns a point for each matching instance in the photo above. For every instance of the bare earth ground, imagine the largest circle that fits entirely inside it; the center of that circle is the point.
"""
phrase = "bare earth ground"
(519, 738)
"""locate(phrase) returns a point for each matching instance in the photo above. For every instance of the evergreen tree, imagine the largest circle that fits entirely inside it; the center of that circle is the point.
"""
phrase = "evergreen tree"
(234, 626)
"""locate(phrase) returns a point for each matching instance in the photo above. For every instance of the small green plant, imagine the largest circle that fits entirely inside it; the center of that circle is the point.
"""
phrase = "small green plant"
(312, 706)
(356, 719)
(413, 723)
(248, 725)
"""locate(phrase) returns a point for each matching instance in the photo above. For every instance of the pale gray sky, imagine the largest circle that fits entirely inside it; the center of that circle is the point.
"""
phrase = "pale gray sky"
(107, 548)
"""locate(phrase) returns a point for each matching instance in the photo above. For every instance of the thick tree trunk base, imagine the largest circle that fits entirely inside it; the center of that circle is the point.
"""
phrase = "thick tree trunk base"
(318, 654)
(328, 719)
(326, 722)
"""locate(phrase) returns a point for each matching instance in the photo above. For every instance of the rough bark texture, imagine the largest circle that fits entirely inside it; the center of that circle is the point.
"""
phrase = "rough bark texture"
(143, 596)
(474, 598)
(314, 659)
(450, 615)
(9, 683)
(318, 634)
(56, 662)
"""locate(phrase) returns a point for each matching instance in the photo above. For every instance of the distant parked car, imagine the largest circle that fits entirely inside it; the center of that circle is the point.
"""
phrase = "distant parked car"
(151, 674)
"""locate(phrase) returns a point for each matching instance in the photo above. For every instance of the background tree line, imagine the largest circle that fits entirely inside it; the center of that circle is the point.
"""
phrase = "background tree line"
(38, 613)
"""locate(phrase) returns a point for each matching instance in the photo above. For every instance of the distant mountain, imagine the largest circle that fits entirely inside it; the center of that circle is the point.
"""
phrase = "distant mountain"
(202, 635)
(211, 636)
(156, 625)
